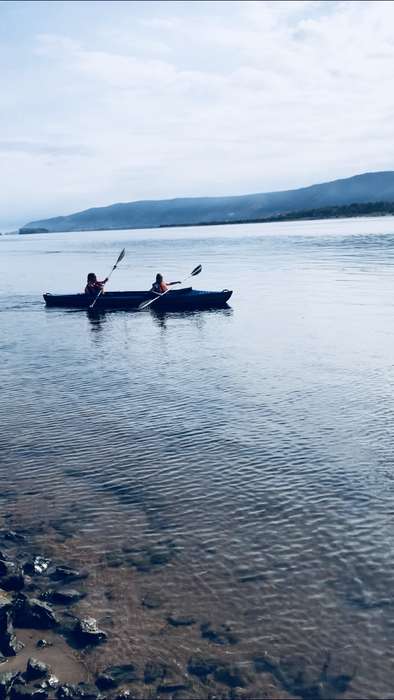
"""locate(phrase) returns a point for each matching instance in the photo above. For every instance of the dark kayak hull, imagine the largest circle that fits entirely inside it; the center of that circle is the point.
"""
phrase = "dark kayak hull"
(176, 300)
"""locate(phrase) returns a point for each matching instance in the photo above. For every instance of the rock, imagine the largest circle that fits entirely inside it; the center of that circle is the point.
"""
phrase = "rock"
(63, 596)
(36, 669)
(113, 676)
(12, 536)
(36, 567)
(50, 683)
(172, 687)
(180, 621)
(42, 643)
(231, 675)
(151, 601)
(87, 631)
(105, 682)
(34, 613)
(6, 680)
(8, 643)
(66, 573)
(87, 691)
(201, 667)
(222, 634)
(11, 576)
(154, 671)
(66, 691)
(264, 664)
(25, 692)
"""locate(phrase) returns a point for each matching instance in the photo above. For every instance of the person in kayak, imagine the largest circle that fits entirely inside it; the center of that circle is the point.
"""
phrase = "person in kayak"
(159, 286)
(94, 285)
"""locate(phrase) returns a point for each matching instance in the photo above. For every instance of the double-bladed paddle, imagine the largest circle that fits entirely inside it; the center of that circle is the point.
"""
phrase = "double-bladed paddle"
(121, 256)
(145, 304)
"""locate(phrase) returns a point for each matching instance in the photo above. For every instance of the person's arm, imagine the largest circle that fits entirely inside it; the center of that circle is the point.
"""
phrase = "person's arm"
(169, 284)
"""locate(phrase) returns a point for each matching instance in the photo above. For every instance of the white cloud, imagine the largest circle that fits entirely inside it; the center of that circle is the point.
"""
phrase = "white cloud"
(268, 95)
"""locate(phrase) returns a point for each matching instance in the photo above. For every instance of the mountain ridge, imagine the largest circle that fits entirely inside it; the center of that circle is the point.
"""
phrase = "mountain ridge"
(357, 189)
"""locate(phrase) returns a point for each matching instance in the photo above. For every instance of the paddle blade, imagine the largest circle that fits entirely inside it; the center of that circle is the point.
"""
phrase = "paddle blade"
(121, 256)
(196, 271)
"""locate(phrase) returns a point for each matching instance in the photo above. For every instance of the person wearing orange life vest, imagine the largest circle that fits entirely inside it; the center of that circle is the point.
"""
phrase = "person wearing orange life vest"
(159, 286)
(94, 286)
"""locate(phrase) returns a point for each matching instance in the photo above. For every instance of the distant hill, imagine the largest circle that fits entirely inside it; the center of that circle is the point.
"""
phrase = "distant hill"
(359, 189)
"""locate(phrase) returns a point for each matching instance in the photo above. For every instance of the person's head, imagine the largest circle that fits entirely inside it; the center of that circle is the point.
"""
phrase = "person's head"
(92, 278)
(159, 278)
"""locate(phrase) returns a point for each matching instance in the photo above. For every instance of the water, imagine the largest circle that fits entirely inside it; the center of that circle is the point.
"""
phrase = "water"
(236, 463)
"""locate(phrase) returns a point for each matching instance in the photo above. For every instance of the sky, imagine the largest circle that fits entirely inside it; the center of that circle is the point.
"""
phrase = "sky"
(104, 102)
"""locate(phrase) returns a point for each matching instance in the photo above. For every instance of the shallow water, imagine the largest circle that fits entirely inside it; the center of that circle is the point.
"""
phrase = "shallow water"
(238, 463)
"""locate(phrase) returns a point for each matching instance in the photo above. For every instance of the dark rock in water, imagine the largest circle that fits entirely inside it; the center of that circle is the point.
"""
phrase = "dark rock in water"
(24, 692)
(13, 582)
(230, 675)
(172, 686)
(12, 536)
(33, 613)
(6, 680)
(222, 634)
(50, 683)
(66, 691)
(36, 567)
(202, 667)
(87, 691)
(113, 676)
(8, 643)
(87, 631)
(42, 643)
(63, 596)
(11, 576)
(154, 671)
(264, 664)
(180, 621)
(105, 682)
(36, 669)
(151, 601)
(66, 573)
(296, 676)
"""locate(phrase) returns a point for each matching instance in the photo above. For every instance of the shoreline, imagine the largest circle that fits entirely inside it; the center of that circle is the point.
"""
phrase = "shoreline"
(286, 218)
(47, 645)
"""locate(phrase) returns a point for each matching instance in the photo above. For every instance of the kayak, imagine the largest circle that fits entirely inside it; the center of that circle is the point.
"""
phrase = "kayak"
(186, 299)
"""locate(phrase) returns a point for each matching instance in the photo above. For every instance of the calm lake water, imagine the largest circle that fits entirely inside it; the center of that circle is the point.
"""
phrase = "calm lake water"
(237, 464)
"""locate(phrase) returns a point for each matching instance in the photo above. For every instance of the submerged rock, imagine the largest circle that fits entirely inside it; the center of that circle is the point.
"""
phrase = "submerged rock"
(231, 675)
(154, 671)
(6, 680)
(34, 613)
(222, 634)
(37, 566)
(66, 573)
(8, 643)
(42, 643)
(113, 676)
(179, 621)
(11, 576)
(87, 631)
(25, 692)
(201, 666)
(36, 669)
(151, 601)
(63, 596)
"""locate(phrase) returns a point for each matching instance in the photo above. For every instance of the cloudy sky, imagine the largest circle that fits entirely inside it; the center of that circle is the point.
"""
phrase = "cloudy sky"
(104, 102)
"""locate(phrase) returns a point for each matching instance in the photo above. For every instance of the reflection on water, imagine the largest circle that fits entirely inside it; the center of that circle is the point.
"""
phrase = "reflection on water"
(235, 464)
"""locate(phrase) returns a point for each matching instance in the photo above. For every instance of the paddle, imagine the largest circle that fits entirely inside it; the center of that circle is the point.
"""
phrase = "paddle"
(144, 304)
(121, 256)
